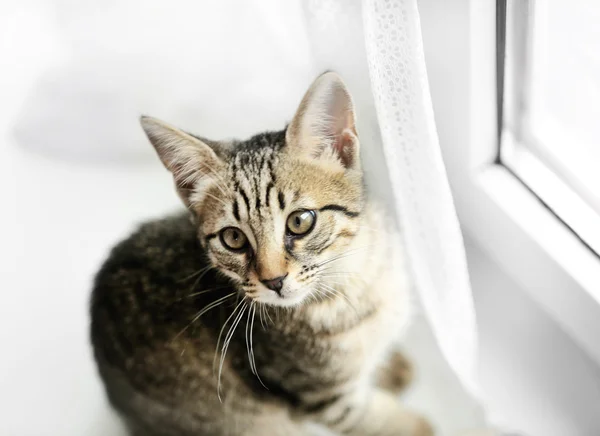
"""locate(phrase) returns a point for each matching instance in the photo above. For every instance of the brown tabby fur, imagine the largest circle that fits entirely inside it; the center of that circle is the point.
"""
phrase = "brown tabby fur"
(188, 339)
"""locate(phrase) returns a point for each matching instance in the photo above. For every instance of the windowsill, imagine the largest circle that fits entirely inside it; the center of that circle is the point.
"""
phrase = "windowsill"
(521, 351)
(540, 253)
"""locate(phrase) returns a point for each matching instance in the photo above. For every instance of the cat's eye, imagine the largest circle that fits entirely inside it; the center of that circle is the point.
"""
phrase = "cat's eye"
(301, 222)
(234, 239)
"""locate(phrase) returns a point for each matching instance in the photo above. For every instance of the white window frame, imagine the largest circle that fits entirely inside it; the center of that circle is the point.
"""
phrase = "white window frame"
(522, 152)
(529, 242)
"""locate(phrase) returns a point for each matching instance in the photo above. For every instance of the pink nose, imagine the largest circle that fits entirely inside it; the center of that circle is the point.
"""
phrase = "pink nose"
(274, 284)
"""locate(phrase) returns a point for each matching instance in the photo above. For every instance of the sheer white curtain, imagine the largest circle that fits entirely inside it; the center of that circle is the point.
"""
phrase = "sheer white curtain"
(432, 232)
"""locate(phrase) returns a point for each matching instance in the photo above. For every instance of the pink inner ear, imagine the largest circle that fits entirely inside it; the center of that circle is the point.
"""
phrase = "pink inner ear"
(345, 148)
(342, 128)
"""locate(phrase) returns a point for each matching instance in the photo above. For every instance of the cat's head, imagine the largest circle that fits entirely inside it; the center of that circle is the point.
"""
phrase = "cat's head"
(275, 211)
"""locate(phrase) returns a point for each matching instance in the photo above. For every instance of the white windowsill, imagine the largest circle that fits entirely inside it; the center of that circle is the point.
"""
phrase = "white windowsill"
(541, 254)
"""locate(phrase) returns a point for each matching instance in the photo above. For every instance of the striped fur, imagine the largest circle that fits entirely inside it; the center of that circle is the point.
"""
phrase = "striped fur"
(190, 339)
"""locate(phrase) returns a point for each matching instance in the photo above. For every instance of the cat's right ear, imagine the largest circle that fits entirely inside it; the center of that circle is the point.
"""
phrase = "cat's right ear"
(324, 127)
(192, 162)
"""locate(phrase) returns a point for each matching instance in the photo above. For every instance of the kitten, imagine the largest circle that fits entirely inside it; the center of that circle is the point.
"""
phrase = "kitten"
(276, 305)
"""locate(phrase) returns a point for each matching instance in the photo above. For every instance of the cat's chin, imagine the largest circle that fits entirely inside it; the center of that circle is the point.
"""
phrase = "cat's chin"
(287, 300)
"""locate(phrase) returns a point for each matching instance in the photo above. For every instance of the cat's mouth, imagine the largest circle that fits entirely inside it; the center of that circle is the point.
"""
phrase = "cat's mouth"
(286, 297)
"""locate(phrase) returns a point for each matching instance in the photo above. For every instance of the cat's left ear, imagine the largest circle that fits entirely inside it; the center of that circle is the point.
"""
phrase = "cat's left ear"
(193, 162)
(324, 126)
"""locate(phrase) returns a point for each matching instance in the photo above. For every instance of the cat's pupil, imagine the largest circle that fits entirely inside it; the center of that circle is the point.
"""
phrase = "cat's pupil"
(298, 222)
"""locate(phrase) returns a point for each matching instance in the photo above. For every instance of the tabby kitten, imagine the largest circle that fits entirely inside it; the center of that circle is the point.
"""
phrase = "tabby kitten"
(275, 306)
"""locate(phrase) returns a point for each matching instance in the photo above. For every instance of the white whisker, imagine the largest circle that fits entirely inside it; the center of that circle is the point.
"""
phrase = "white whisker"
(200, 271)
(252, 349)
(268, 315)
(345, 285)
(260, 317)
(202, 312)
(341, 294)
(226, 342)
(221, 332)
(204, 291)
(247, 335)
(342, 255)
(324, 294)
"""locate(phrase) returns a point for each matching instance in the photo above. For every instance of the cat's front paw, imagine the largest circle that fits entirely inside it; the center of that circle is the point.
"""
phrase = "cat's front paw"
(396, 373)
(423, 427)
(413, 424)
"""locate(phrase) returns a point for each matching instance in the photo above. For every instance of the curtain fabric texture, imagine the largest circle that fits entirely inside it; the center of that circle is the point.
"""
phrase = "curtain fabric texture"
(433, 237)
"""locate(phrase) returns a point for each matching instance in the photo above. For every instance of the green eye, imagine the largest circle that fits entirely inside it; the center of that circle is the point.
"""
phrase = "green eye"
(301, 222)
(233, 238)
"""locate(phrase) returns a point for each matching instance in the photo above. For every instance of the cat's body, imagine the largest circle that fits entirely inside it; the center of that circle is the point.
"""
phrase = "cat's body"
(193, 334)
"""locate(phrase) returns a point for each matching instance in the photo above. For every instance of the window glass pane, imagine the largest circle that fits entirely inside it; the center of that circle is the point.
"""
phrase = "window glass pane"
(551, 107)
(562, 110)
